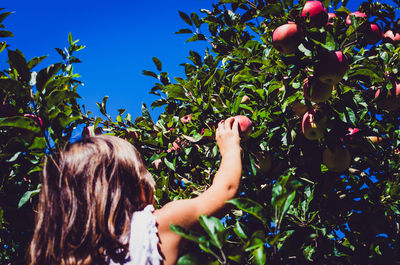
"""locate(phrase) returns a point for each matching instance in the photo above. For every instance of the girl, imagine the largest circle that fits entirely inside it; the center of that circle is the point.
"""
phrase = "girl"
(96, 204)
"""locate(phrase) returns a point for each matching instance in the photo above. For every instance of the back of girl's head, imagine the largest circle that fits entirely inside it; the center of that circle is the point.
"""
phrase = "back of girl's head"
(90, 191)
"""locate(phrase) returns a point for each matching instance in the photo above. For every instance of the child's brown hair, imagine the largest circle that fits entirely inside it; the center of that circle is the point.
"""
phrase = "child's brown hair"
(90, 191)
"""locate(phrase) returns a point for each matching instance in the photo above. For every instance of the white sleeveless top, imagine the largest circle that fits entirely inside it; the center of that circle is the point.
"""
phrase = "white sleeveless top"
(143, 239)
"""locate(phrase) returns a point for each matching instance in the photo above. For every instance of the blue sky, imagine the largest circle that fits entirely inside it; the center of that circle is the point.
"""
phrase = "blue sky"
(120, 36)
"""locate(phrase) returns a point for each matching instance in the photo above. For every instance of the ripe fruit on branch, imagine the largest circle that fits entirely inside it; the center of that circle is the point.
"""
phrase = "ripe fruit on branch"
(331, 18)
(390, 36)
(317, 13)
(391, 101)
(245, 126)
(286, 38)
(316, 91)
(37, 119)
(186, 118)
(313, 124)
(357, 14)
(299, 108)
(373, 33)
(337, 160)
(331, 67)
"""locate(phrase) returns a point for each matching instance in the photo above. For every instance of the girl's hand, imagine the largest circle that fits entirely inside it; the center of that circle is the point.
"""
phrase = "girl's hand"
(227, 136)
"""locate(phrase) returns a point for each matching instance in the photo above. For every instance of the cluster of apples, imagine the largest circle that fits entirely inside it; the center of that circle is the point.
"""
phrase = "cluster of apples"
(329, 69)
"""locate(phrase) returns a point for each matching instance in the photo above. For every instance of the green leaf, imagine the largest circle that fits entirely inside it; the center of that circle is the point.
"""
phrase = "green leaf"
(195, 18)
(169, 164)
(20, 122)
(18, 62)
(213, 228)
(185, 18)
(146, 113)
(184, 31)
(157, 62)
(252, 207)
(27, 195)
(187, 234)
(6, 34)
(70, 39)
(189, 259)
(4, 15)
(45, 75)
(35, 61)
(176, 92)
(149, 73)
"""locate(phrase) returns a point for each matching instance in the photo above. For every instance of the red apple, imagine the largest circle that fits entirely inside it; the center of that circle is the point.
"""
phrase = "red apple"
(317, 13)
(331, 67)
(37, 119)
(373, 33)
(356, 14)
(245, 126)
(337, 160)
(313, 124)
(316, 91)
(390, 36)
(286, 38)
(391, 101)
(331, 19)
(186, 118)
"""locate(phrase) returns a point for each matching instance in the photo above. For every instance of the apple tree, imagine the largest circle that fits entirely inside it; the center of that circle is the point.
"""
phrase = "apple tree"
(320, 83)
(320, 178)
(39, 113)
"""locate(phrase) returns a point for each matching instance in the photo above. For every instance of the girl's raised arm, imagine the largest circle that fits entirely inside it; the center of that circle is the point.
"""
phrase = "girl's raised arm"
(224, 187)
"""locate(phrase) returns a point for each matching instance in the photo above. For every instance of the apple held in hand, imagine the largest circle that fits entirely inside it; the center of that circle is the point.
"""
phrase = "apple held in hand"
(357, 14)
(286, 38)
(316, 91)
(313, 124)
(331, 67)
(317, 13)
(337, 160)
(245, 126)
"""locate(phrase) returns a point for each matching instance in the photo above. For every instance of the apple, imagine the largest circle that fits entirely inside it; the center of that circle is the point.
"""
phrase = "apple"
(337, 160)
(245, 126)
(186, 118)
(90, 131)
(317, 13)
(313, 124)
(299, 108)
(316, 91)
(392, 101)
(357, 14)
(286, 38)
(264, 162)
(37, 119)
(331, 19)
(373, 33)
(331, 67)
(390, 36)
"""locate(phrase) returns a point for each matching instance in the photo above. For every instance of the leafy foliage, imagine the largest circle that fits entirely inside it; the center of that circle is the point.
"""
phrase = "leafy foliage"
(296, 211)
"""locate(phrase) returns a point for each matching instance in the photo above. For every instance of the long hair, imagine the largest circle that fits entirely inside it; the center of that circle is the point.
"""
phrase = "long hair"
(89, 193)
